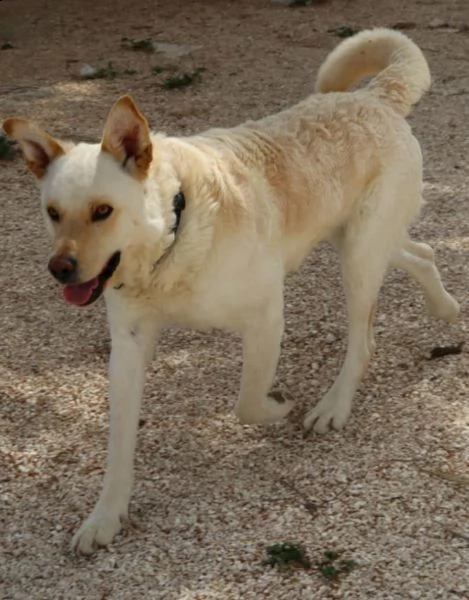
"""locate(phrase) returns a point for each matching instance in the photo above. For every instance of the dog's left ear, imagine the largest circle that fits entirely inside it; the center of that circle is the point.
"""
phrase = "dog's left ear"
(38, 147)
(126, 137)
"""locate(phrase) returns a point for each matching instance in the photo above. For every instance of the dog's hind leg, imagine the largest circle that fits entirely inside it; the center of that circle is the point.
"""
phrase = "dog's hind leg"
(362, 283)
(418, 261)
(365, 247)
(262, 335)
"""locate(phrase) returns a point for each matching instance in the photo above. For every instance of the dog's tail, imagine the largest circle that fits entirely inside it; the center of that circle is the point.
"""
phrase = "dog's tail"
(402, 73)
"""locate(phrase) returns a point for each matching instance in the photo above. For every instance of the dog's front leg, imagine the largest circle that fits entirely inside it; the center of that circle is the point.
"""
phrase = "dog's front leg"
(262, 337)
(133, 339)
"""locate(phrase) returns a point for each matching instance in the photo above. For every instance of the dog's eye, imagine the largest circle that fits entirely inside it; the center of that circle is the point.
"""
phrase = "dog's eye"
(53, 214)
(101, 212)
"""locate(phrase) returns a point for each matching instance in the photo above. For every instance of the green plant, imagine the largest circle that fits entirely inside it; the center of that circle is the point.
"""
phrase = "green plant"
(344, 31)
(331, 568)
(348, 565)
(180, 80)
(286, 556)
(138, 45)
(156, 70)
(328, 571)
(7, 46)
(7, 148)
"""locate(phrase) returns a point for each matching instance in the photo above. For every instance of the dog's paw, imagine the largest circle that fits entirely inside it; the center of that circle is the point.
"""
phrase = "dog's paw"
(446, 310)
(279, 404)
(329, 413)
(270, 409)
(98, 530)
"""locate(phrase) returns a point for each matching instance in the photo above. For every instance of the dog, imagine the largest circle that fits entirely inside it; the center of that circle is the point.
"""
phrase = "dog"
(200, 232)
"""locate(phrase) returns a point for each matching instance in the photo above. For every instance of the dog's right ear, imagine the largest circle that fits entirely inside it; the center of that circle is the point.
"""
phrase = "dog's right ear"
(126, 137)
(38, 147)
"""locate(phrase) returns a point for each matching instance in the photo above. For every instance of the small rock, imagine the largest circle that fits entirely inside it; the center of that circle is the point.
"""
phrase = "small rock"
(437, 24)
(87, 71)
(79, 70)
(341, 477)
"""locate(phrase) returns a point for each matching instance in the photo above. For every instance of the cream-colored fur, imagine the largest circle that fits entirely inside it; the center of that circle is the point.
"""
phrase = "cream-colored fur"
(342, 166)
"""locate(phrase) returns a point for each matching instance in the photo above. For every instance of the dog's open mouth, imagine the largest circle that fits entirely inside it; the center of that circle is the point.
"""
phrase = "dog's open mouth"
(83, 294)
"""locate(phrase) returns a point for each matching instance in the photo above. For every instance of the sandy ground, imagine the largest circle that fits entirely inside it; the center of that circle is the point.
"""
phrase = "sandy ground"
(390, 492)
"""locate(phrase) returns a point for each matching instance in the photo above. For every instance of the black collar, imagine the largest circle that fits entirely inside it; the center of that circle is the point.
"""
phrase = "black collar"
(179, 204)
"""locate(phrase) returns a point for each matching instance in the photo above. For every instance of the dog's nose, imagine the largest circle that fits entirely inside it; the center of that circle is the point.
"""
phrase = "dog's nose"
(63, 268)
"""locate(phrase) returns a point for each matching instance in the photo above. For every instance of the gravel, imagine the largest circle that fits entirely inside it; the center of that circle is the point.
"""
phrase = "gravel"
(390, 492)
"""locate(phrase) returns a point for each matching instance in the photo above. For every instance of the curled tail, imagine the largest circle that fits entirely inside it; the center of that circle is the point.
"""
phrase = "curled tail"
(401, 72)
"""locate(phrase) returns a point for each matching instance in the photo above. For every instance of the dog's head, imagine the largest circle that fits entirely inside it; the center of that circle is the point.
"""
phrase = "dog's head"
(93, 199)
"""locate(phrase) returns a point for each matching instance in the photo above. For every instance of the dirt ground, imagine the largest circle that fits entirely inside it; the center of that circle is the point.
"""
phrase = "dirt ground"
(390, 492)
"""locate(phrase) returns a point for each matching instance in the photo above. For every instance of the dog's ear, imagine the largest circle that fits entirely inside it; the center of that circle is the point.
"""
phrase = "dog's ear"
(126, 137)
(38, 147)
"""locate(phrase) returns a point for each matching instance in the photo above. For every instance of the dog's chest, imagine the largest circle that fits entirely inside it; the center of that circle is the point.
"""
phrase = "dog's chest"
(234, 283)
(207, 308)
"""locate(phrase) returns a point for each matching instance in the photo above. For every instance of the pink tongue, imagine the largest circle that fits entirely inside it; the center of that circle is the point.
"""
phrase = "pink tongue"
(80, 293)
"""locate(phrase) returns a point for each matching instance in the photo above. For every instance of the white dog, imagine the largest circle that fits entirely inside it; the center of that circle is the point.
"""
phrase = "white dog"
(200, 231)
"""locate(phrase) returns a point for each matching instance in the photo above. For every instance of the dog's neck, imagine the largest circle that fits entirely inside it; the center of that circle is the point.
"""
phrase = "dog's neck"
(179, 204)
